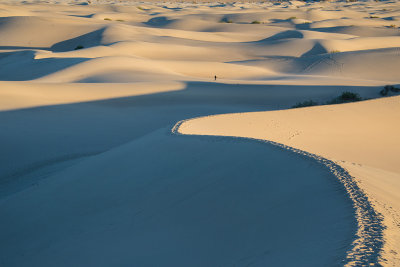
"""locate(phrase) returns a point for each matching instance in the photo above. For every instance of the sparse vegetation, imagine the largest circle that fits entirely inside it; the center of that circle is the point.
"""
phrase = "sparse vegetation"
(373, 17)
(308, 103)
(255, 22)
(389, 88)
(226, 20)
(334, 51)
(292, 18)
(392, 26)
(346, 97)
(120, 20)
(108, 19)
(140, 8)
(79, 47)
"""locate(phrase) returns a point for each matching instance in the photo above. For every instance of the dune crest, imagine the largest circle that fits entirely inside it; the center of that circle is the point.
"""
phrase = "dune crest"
(362, 137)
(91, 175)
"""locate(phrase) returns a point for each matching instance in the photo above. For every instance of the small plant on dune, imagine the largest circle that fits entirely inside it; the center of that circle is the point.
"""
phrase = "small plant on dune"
(308, 103)
(120, 20)
(389, 88)
(226, 20)
(140, 8)
(346, 97)
(255, 22)
(334, 51)
(79, 47)
(292, 18)
(392, 26)
(108, 19)
(373, 17)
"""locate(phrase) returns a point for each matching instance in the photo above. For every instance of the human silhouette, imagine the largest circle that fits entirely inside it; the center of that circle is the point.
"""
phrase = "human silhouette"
(215, 77)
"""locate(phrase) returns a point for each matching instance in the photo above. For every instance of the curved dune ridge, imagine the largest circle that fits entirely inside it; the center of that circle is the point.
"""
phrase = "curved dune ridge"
(342, 138)
(91, 174)
(130, 212)
(369, 240)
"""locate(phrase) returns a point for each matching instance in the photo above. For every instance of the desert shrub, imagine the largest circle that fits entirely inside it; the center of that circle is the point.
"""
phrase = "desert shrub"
(79, 47)
(120, 20)
(346, 97)
(140, 8)
(392, 26)
(389, 88)
(334, 51)
(226, 20)
(308, 103)
(255, 22)
(292, 18)
(107, 19)
(373, 17)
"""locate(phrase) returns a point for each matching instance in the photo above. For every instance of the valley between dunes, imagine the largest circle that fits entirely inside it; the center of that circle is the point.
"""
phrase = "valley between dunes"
(163, 134)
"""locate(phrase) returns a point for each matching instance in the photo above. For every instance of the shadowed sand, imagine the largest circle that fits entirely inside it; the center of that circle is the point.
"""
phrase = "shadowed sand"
(362, 137)
(90, 173)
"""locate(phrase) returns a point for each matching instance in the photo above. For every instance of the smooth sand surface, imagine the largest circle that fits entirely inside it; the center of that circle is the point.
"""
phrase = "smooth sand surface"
(362, 137)
(91, 174)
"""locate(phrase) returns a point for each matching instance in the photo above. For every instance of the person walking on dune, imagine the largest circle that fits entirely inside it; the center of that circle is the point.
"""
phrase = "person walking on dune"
(215, 77)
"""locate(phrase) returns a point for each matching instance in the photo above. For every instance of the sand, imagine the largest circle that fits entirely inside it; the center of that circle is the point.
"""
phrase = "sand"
(91, 174)
(362, 137)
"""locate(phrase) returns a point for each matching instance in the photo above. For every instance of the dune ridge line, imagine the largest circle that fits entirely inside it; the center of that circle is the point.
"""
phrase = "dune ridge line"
(368, 243)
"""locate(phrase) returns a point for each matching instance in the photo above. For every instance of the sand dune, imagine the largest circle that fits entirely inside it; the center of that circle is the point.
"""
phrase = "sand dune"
(91, 174)
(187, 217)
(338, 132)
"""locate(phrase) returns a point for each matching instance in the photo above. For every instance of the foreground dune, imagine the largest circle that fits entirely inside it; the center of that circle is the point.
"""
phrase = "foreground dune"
(362, 137)
(141, 204)
(91, 174)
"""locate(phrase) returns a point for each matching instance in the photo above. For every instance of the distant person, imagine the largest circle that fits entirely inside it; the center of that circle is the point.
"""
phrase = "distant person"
(215, 77)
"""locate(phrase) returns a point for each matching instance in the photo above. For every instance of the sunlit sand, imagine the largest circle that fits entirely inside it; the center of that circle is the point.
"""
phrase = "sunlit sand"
(165, 134)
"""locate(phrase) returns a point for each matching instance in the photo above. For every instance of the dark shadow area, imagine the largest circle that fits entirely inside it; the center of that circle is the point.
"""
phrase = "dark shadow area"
(178, 199)
(303, 26)
(86, 40)
(36, 138)
(159, 22)
(82, 16)
(21, 65)
(32, 136)
(172, 8)
(290, 34)
(317, 49)
(361, 31)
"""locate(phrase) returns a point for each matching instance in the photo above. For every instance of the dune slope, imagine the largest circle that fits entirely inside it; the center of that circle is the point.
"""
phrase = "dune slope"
(90, 173)
(362, 137)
